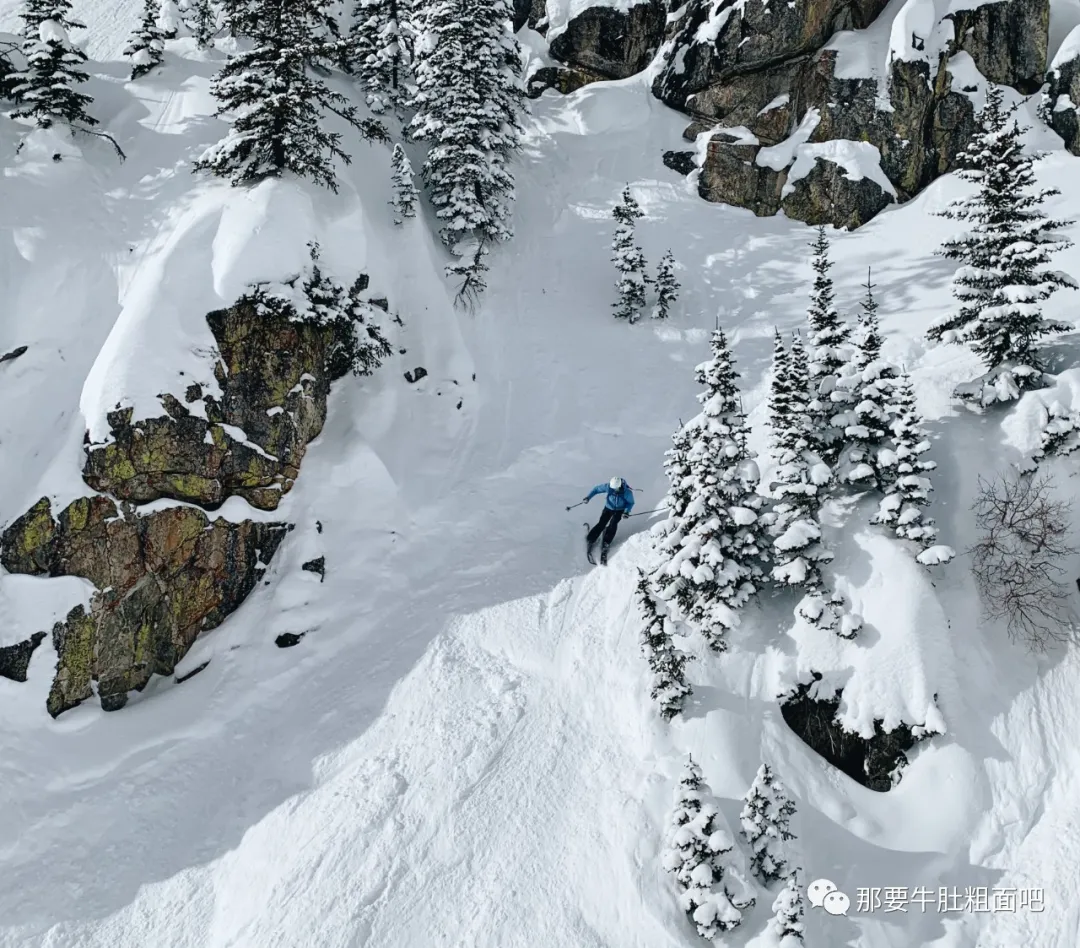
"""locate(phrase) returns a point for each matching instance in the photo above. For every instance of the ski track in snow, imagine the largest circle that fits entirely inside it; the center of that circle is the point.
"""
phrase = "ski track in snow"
(460, 752)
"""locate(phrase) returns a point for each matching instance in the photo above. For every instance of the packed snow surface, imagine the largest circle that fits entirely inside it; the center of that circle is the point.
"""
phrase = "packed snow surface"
(461, 751)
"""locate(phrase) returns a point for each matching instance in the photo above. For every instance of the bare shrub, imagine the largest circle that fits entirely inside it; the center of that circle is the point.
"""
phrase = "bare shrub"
(1019, 560)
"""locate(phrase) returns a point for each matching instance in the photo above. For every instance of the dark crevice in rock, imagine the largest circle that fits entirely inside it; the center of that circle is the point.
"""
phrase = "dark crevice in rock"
(15, 659)
(875, 762)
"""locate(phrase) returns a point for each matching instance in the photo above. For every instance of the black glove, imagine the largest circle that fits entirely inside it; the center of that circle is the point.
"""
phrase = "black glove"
(585, 500)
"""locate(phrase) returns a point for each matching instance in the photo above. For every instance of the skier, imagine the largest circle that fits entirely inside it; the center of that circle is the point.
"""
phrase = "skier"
(618, 504)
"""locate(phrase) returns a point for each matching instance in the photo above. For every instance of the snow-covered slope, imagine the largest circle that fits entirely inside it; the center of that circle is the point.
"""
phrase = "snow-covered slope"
(460, 751)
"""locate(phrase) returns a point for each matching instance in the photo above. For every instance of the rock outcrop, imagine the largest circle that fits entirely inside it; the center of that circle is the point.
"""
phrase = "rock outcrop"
(161, 579)
(1061, 108)
(15, 659)
(1007, 40)
(875, 762)
(274, 376)
(610, 43)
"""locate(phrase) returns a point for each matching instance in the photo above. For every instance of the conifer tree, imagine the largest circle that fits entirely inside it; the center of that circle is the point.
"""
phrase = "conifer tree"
(278, 100)
(405, 195)
(667, 287)
(677, 467)
(787, 926)
(628, 258)
(829, 353)
(695, 854)
(201, 18)
(907, 488)
(380, 51)
(765, 817)
(169, 19)
(797, 548)
(468, 104)
(314, 297)
(44, 91)
(1003, 282)
(713, 550)
(147, 43)
(870, 387)
(668, 686)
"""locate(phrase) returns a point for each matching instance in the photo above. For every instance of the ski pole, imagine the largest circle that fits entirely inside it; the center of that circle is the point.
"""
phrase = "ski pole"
(578, 504)
(643, 512)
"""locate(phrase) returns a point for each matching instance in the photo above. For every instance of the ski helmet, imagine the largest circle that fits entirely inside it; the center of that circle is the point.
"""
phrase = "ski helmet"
(616, 483)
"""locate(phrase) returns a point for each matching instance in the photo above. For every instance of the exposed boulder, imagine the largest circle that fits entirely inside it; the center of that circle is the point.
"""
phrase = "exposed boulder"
(875, 762)
(15, 659)
(14, 354)
(831, 194)
(1008, 40)
(531, 12)
(1060, 109)
(274, 375)
(161, 580)
(562, 79)
(611, 43)
(730, 174)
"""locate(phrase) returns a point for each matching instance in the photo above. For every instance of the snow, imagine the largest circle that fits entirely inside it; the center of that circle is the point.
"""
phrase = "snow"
(1068, 51)
(781, 155)
(561, 12)
(462, 750)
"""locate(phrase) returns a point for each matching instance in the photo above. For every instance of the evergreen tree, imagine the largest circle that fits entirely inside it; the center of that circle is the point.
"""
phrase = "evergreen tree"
(380, 51)
(471, 270)
(147, 43)
(667, 287)
(714, 548)
(628, 258)
(787, 927)
(45, 90)
(405, 195)
(468, 105)
(907, 488)
(829, 354)
(1002, 282)
(695, 854)
(797, 548)
(679, 474)
(278, 100)
(169, 19)
(870, 387)
(668, 686)
(201, 18)
(315, 298)
(764, 819)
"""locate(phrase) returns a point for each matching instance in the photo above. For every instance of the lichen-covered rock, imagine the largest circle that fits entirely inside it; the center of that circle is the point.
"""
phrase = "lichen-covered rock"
(563, 79)
(1060, 109)
(730, 175)
(830, 195)
(15, 659)
(1007, 40)
(612, 43)
(274, 376)
(161, 579)
(876, 763)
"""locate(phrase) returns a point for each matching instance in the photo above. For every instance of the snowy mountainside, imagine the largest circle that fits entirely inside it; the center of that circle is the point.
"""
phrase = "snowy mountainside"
(460, 751)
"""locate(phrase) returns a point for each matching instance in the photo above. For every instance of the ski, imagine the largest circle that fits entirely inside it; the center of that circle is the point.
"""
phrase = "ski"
(588, 546)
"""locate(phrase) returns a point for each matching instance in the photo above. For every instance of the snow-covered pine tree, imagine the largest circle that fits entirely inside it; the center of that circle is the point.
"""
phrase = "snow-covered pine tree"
(870, 387)
(169, 19)
(668, 686)
(667, 287)
(381, 44)
(829, 354)
(201, 18)
(907, 488)
(695, 854)
(1002, 282)
(764, 818)
(147, 43)
(314, 297)
(713, 551)
(677, 468)
(628, 258)
(45, 90)
(278, 100)
(468, 104)
(405, 194)
(787, 926)
(797, 548)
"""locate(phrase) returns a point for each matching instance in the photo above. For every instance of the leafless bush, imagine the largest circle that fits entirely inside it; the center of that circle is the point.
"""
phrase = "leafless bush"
(1019, 560)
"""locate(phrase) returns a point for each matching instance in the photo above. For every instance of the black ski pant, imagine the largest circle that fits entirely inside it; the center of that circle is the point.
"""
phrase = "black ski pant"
(609, 519)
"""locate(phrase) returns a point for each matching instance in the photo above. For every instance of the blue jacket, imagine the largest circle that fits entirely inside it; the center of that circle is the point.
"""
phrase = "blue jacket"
(616, 499)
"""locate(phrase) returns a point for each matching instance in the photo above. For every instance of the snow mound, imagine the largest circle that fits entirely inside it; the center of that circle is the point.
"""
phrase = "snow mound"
(902, 657)
(858, 159)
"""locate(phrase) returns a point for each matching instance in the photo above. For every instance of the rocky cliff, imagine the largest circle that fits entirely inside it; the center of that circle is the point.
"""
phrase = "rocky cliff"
(782, 122)
(161, 578)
